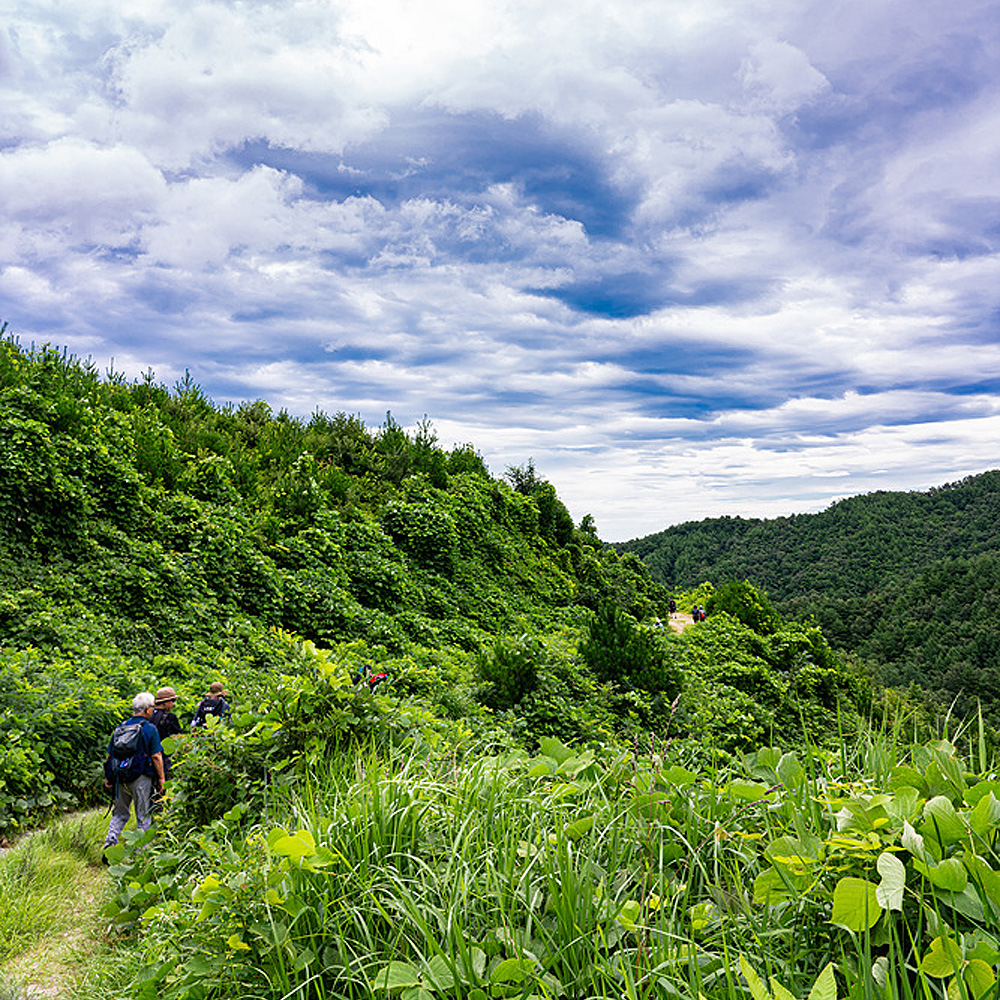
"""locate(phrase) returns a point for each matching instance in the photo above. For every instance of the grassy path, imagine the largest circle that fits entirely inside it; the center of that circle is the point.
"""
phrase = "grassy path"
(52, 888)
(680, 621)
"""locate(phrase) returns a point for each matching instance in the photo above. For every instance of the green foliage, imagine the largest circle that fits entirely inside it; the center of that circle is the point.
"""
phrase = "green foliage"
(168, 537)
(621, 653)
(511, 670)
(745, 603)
(910, 581)
(581, 871)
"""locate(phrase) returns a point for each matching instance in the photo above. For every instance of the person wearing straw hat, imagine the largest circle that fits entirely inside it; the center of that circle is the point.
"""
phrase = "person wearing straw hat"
(214, 703)
(167, 724)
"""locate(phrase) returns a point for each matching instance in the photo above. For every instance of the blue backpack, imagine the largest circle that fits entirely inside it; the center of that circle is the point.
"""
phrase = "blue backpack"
(128, 759)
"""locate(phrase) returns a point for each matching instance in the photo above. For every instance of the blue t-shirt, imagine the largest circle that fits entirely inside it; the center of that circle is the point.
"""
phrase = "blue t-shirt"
(149, 742)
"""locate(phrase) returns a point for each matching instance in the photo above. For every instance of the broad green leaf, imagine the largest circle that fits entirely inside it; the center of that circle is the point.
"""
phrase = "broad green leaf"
(701, 915)
(300, 845)
(790, 770)
(235, 943)
(325, 858)
(855, 904)
(941, 822)
(275, 835)
(542, 767)
(747, 791)
(780, 992)
(201, 965)
(903, 774)
(551, 747)
(231, 815)
(757, 988)
(979, 978)
(115, 853)
(478, 957)
(205, 888)
(880, 970)
(985, 816)
(438, 973)
(904, 804)
(949, 875)
(764, 762)
(966, 902)
(943, 958)
(769, 889)
(512, 970)
(856, 816)
(304, 959)
(575, 765)
(951, 769)
(981, 788)
(294, 906)
(679, 776)
(579, 827)
(795, 852)
(986, 951)
(416, 993)
(825, 987)
(914, 843)
(890, 890)
(629, 913)
(394, 976)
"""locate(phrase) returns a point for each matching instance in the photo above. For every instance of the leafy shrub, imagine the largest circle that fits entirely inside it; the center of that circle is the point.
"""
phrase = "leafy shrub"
(621, 653)
(745, 603)
(425, 533)
(511, 670)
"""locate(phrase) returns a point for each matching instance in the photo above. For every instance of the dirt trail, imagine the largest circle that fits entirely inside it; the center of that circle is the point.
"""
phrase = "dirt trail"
(680, 621)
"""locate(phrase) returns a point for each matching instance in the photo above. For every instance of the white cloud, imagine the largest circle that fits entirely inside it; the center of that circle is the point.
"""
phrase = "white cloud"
(692, 257)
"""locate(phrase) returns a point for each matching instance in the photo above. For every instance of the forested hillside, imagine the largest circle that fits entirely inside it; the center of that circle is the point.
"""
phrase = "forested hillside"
(553, 792)
(150, 536)
(909, 580)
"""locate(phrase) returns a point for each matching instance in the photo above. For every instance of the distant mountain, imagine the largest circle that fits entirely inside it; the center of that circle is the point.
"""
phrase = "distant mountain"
(909, 580)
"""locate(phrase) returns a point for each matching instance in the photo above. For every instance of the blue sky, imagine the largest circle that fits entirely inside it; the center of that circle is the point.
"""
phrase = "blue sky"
(692, 258)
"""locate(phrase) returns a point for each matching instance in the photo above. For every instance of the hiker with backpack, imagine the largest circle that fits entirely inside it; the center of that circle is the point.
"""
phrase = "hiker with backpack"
(167, 724)
(214, 703)
(134, 768)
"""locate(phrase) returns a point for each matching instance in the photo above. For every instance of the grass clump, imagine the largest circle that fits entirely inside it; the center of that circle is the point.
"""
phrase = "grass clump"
(52, 888)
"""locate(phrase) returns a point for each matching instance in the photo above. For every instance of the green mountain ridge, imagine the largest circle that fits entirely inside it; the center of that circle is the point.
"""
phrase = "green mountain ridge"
(906, 579)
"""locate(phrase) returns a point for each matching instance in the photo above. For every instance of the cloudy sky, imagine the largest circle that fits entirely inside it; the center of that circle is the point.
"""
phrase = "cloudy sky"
(692, 257)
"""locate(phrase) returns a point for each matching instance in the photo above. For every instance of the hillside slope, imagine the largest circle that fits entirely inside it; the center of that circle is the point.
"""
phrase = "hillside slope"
(150, 537)
(906, 579)
(857, 545)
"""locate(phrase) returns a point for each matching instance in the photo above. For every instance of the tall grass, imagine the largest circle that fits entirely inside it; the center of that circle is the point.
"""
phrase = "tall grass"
(578, 876)
(39, 874)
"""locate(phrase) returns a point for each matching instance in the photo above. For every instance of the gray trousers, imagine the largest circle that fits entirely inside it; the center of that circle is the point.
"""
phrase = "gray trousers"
(139, 792)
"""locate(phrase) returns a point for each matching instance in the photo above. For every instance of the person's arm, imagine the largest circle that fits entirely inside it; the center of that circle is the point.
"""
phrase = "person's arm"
(157, 759)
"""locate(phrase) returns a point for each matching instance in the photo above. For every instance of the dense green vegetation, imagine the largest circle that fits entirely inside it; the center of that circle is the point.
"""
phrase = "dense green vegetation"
(149, 536)
(909, 581)
(553, 794)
